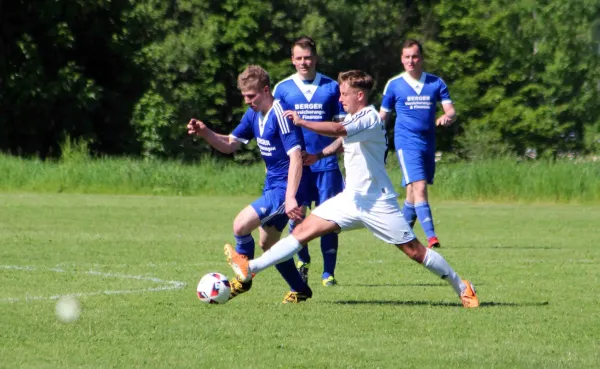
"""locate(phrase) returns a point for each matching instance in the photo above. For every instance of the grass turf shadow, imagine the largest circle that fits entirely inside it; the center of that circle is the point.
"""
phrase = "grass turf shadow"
(437, 303)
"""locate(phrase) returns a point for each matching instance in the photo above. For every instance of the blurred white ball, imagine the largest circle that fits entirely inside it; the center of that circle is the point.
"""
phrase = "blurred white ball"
(67, 309)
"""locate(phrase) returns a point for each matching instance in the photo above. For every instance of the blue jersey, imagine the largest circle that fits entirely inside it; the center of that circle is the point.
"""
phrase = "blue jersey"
(415, 103)
(315, 101)
(276, 137)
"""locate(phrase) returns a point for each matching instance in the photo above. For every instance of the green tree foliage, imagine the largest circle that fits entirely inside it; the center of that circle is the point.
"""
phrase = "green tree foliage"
(522, 73)
(64, 71)
(125, 76)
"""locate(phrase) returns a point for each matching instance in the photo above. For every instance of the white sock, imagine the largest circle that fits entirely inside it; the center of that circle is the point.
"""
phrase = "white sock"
(436, 264)
(281, 251)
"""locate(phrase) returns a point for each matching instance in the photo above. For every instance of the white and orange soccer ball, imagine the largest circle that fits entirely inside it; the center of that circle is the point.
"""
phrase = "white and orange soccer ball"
(214, 288)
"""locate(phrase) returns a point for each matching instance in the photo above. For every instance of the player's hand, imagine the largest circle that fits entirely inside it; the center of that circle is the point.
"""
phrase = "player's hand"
(293, 211)
(293, 116)
(443, 121)
(308, 159)
(196, 127)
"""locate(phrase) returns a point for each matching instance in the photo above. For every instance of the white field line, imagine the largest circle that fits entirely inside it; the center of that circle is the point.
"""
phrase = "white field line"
(165, 285)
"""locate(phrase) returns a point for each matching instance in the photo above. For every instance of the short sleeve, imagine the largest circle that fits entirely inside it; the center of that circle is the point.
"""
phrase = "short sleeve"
(388, 100)
(358, 125)
(291, 136)
(278, 92)
(444, 94)
(244, 132)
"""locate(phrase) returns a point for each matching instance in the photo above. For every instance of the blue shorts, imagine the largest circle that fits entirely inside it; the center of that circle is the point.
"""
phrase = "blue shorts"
(322, 186)
(270, 207)
(416, 166)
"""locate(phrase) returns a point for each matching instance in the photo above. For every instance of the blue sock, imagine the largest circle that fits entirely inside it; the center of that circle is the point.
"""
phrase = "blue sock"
(329, 247)
(303, 254)
(245, 245)
(425, 218)
(410, 215)
(288, 271)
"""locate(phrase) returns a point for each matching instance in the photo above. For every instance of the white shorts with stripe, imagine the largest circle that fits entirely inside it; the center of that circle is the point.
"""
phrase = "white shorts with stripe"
(382, 217)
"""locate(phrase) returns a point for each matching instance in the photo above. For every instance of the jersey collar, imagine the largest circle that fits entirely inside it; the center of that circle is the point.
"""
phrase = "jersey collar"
(416, 85)
(307, 89)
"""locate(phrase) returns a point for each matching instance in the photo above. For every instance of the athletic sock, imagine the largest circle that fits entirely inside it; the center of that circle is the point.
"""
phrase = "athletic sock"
(283, 250)
(410, 215)
(245, 245)
(425, 218)
(292, 276)
(436, 264)
(329, 248)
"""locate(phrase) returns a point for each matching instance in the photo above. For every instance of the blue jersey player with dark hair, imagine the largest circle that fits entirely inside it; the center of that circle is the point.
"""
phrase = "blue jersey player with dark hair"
(315, 97)
(414, 95)
(281, 145)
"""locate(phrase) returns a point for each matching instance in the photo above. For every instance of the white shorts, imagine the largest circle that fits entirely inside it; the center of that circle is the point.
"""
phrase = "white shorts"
(382, 217)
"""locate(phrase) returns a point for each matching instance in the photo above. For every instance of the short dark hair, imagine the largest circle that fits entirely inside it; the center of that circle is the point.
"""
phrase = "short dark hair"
(305, 42)
(253, 76)
(412, 42)
(357, 79)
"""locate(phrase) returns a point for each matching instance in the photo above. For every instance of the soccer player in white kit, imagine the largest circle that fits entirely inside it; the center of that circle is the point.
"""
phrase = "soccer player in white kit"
(368, 201)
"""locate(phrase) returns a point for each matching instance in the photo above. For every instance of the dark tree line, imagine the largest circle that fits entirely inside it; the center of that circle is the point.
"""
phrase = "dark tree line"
(126, 76)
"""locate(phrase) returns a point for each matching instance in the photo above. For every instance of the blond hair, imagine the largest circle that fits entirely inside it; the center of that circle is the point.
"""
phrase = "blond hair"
(253, 77)
(357, 79)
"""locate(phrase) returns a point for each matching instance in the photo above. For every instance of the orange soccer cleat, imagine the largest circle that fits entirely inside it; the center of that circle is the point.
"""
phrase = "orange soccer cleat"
(468, 297)
(239, 263)
(433, 242)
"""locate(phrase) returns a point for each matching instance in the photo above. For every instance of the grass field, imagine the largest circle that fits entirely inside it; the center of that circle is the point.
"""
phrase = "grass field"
(135, 261)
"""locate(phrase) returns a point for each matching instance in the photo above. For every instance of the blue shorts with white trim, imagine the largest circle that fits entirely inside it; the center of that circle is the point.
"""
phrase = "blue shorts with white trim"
(323, 185)
(416, 165)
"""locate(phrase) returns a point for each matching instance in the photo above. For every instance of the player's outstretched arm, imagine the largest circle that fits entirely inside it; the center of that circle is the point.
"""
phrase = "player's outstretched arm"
(331, 129)
(292, 209)
(223, 143)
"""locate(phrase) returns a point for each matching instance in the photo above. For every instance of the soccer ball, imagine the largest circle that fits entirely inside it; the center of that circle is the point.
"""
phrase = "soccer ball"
(213, 288)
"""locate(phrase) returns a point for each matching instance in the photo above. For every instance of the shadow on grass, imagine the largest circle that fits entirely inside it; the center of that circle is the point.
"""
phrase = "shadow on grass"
(509, 247)
(441, 284)
(438, 303)
(399, 285)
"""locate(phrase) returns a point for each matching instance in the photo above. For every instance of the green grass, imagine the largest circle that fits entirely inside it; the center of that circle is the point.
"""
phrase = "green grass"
(494, 180)
(535, 267)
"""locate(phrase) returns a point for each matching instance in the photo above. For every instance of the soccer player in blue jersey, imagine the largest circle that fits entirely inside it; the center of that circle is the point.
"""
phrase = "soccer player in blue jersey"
(414, 95)
(315, 97)
(368, 201)
(281, 144)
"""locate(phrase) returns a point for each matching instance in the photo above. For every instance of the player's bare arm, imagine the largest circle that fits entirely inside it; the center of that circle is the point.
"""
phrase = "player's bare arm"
(223, 143)
(292, 209)
(383, 114)
(448, 117)
(331, 129)
(334, 148)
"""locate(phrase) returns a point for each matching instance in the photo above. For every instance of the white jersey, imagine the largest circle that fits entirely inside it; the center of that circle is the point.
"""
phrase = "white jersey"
(364, 156)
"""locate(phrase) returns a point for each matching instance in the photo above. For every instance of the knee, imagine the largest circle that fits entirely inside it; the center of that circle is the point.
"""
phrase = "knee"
(413, 255)
(239, 228)
(299, 232)
(419, 192)
(420, 189)
(414, 250)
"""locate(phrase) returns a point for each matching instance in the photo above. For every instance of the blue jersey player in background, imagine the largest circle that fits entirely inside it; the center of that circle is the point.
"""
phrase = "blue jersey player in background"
(281, 144)
(315, 97)
(414, 95)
